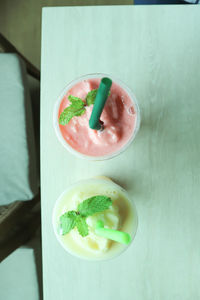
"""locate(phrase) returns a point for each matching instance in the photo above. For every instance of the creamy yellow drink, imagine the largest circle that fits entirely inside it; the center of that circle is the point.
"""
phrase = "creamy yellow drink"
(120, 215)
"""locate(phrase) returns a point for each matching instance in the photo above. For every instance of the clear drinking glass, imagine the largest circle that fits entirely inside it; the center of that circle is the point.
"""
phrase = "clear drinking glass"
(87, 188)
(56, 123)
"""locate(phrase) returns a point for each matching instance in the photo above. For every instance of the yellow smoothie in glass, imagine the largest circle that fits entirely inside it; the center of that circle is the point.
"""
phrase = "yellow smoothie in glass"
(121, 215)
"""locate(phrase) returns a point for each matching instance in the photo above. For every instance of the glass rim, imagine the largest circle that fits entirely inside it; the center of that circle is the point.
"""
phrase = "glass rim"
(56, 123)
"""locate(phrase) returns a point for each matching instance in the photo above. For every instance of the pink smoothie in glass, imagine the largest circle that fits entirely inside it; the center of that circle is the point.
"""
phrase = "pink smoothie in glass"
(119, 117)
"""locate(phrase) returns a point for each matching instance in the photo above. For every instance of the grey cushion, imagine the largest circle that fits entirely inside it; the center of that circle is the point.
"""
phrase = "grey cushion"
(18, 174)
(18, 276)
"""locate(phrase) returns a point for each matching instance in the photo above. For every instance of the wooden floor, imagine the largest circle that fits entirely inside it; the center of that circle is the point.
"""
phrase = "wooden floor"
(20, 21)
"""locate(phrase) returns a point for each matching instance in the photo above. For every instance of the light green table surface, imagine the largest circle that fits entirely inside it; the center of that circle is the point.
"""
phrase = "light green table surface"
(155, 50)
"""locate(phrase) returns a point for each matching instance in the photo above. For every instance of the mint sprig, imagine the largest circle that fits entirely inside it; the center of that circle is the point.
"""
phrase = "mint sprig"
(94, 205)
(82, 226)
(88, 207)
(90, 98)
(68, 221)
(76, 108)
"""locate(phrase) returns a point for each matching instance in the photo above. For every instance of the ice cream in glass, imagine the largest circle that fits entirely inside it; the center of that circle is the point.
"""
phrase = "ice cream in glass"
(95, 219)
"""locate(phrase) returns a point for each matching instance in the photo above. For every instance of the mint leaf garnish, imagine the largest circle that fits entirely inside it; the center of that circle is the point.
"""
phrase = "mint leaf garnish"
(94, 205)
(82, 226)
(91, 97)
(76, 108)
(76, 100)
(68, 221)
(88, 207)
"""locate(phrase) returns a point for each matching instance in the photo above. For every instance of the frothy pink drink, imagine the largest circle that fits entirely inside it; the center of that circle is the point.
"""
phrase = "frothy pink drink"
(119, 117)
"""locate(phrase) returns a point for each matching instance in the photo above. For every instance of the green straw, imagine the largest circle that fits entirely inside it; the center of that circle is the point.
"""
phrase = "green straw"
(100, 100)
(111, 234)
